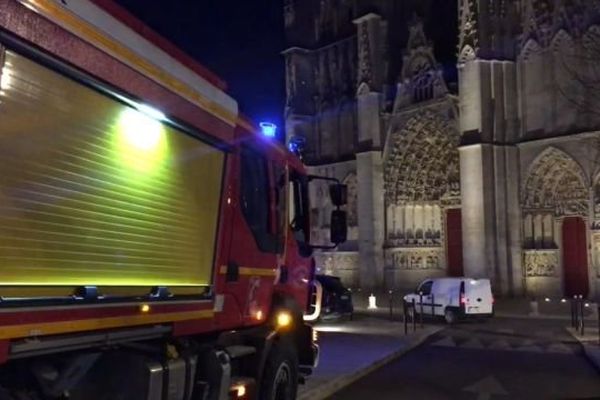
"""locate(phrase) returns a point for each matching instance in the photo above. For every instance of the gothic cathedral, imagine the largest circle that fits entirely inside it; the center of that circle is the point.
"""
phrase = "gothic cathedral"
(490, 169)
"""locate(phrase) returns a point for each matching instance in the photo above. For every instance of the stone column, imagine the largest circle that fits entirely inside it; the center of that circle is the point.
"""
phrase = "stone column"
(369, 159)
(370, 219)
(489, 175)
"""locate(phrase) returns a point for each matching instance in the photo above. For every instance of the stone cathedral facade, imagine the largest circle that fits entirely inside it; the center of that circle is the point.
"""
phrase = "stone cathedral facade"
(496, 177)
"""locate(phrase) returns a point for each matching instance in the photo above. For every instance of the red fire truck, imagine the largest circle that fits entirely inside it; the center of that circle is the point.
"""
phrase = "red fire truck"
(153, 244)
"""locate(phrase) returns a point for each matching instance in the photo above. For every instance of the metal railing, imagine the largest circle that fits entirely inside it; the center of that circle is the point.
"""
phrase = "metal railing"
(409, 312)
(578, 320)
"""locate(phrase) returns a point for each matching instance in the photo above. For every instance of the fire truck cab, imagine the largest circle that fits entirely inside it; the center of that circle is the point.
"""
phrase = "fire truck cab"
(155, 245)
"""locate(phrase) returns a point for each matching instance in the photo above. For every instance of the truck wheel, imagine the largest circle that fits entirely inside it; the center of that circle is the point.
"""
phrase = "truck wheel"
(280, 378)
(450, 316)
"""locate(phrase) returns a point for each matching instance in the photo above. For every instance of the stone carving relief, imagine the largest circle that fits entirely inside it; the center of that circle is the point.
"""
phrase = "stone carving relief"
(543, 19)
(365, 68)
(541, 263)
(421, 162)
(422, 79)
(341, 264)
(290, 79)
(414, 225)
(334, 73)
(328, 262)
(417, 259)
(468, 36)
(596, 223)
(596, 253)
(555, 181)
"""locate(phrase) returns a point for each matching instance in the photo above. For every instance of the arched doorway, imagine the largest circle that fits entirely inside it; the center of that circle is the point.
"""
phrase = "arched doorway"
(555, 206)
(422, 189)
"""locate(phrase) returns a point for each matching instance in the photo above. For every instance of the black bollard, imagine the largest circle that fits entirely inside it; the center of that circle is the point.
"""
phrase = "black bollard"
(391, 307)
(414, 311)
(576, 311)
(405, 314)
(581, 305)
(421, 306)
(573, 314)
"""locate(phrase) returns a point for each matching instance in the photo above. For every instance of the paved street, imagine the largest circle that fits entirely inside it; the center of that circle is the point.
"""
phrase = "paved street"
(351, 349)
(501, 358)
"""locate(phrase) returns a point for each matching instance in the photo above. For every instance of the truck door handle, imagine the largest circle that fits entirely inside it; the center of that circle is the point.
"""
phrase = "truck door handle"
(233, 272)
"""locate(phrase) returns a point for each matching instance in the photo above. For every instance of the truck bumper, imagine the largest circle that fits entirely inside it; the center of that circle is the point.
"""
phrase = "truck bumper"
(308, 349)
(316, 352)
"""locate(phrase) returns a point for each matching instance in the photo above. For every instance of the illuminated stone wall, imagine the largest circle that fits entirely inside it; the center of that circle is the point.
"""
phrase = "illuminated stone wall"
(517, 150)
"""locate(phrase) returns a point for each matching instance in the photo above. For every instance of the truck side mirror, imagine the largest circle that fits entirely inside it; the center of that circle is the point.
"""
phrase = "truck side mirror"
(338, 194)
(338, 227)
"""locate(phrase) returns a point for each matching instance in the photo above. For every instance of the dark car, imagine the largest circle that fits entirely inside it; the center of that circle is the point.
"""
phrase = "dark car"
(337, 300)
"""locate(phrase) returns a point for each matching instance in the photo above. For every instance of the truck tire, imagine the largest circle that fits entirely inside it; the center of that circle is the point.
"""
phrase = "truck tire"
(450, 316)
(280, 377)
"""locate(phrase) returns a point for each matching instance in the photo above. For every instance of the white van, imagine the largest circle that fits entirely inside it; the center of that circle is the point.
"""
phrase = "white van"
(453, 298)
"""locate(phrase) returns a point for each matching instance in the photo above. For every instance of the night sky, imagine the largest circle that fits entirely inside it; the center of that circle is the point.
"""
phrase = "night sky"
(241, 41)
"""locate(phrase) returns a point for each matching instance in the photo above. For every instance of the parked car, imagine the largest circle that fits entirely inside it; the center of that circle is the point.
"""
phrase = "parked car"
(453, 298)
(337, 300)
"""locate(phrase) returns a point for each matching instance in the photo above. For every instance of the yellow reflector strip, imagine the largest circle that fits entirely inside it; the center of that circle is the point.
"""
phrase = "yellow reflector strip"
(53, 328)
(26, 291)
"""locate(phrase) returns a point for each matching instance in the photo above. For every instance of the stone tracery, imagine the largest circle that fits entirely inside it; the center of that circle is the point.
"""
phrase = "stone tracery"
(422, 163)
(555, 181)
(542, 19)
(468, 37)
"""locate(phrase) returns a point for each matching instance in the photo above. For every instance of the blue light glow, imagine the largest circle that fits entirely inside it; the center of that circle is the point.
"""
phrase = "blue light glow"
(269, 129)
(293, 147)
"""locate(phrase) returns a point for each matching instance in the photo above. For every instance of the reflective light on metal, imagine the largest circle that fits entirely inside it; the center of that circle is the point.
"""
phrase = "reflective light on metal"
(5, 78)
(284, 319)
(151, 112)
(141, 143)
(315, 336)
(268, 129)
(140, 130)
(240, 391)
(547, 299)
(145, 308)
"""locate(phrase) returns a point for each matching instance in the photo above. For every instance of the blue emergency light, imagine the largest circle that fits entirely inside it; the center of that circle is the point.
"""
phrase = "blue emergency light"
(269, 129)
